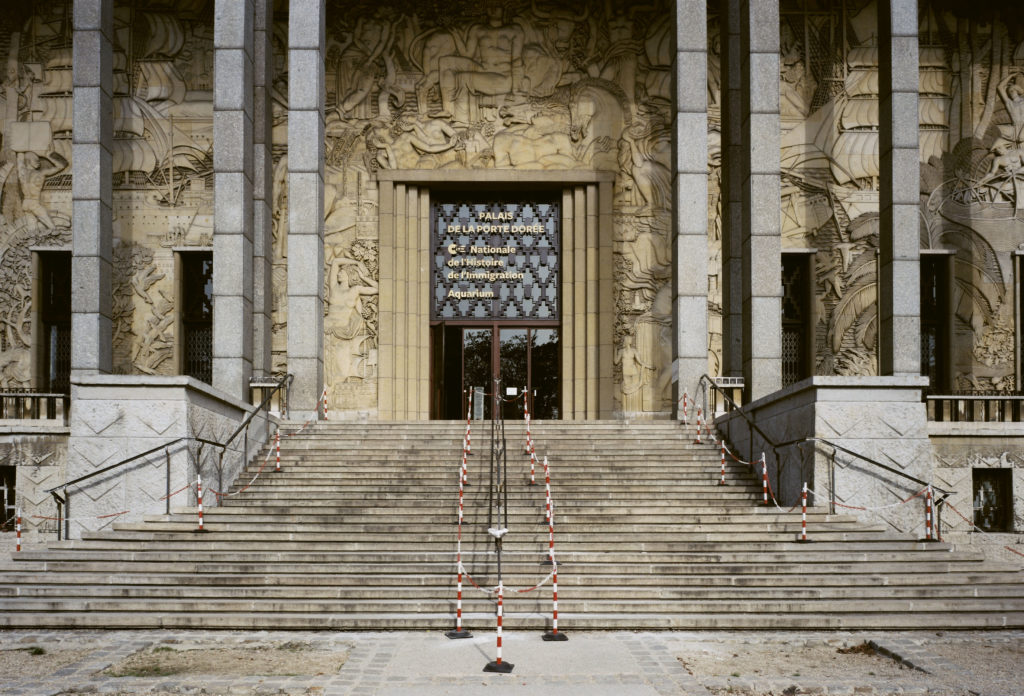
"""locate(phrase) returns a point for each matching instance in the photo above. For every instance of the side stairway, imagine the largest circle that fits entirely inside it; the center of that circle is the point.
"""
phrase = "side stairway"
(359, 531)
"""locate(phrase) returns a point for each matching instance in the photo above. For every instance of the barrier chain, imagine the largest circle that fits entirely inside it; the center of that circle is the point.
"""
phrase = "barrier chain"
(979, 529)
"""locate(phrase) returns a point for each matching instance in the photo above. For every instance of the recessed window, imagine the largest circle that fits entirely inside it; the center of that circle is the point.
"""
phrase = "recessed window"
(797, 336)
(935, 321)
(993, 499)
(55, 321)
(197, 315)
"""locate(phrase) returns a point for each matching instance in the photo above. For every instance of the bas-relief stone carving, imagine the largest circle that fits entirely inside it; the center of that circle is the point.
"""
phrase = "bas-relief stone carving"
(521, 85)
(161, 164)
(971, 115)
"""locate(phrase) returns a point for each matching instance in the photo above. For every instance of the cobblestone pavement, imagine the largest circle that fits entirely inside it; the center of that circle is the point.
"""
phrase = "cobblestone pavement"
(588, 664)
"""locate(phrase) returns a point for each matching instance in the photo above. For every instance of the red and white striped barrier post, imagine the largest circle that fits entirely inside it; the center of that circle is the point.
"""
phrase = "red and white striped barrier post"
(199, 492)
(803, 516)
(553, 634)
(764, 478)
(721, 480)
(526, 417)
(686, 405)
(547, 493)
(277, 444)
(498, 665)
(700, 423)
(459, 632)
(469, 413)
(323, 399)
(17, 529)
(928, 528)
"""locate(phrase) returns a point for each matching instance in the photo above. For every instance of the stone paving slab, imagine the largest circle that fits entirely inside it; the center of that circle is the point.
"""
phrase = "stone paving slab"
(588, 664)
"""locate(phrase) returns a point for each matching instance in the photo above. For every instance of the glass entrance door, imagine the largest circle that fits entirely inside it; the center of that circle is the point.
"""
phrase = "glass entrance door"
(468, 357)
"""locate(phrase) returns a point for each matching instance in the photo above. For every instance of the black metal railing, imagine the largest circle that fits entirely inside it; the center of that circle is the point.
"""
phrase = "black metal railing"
(775, 447)
(64, 503)
(975, 407)
(30, 404)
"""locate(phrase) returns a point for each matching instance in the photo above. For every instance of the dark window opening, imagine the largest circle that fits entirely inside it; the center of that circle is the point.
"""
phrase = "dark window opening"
(55, 321)
(197, 315)
(8, 500)
(796, 318)
(934, 321)
(993, 499)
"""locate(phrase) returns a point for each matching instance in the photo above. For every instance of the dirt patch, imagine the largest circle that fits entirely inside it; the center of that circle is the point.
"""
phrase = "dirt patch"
(808, 662)
(285, 659)
(33, 661)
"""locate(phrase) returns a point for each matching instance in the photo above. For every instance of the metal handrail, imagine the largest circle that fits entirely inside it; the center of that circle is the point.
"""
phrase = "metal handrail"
(799, 441)
(243, 426)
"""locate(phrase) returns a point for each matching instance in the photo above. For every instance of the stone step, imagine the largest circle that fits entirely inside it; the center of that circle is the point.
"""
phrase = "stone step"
(513, 620)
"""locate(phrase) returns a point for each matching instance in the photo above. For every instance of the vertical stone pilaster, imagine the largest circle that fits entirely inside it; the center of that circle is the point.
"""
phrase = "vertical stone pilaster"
(91, 186)
(762, 227)
(262, 187)
(306, 204)
(732, 190)
(232, 196)
(690, 212)
(899, 301)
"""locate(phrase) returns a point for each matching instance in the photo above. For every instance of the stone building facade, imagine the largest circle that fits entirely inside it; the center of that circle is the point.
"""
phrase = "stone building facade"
(599, 201)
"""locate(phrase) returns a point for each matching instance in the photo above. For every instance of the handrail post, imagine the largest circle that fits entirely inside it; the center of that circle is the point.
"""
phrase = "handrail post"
(167, 454)
(67, 514)
(832, 483)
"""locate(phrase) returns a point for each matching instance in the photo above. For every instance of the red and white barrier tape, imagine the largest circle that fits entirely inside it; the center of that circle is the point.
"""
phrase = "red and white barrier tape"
(979, 530)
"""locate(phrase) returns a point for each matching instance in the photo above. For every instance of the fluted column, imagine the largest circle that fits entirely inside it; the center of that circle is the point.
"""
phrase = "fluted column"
(690, 212)
(91, 185)
(762, 226)
(262, 187)
(899, 291)
(305, 204)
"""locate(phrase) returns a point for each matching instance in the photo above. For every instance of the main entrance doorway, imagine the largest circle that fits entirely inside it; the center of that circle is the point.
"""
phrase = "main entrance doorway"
(467, 357)
(495, 302)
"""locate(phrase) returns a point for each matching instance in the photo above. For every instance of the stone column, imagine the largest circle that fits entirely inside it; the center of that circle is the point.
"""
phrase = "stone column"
(690, 212)
(91, 184)
(899, 302)
(262, 187)
(732, 190)
(306, 204)
(762, 227)
(232, 196)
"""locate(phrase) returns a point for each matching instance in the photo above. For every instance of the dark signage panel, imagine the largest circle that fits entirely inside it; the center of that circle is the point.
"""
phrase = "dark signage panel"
(495, 259)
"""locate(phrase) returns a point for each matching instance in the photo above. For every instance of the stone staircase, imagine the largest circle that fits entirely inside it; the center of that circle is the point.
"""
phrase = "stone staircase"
(358, 532)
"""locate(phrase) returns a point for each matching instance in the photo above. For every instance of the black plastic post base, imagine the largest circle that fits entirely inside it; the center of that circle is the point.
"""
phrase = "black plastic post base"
(546, 561)
(455, 635)
(200, 529)
(926, 540)
(531, 483)
(556, 637)
(502, 668)
(800, 540)
(721, 483)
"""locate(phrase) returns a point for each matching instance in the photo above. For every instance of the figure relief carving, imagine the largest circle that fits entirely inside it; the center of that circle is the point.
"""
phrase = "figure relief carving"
(142, 312)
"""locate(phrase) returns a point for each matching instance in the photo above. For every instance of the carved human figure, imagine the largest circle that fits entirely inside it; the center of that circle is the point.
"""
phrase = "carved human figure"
(345, 318)
(1009, 163)
(1012, 93)
(359, 62)
(636, 375)
(32, 173)
(492, 66)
